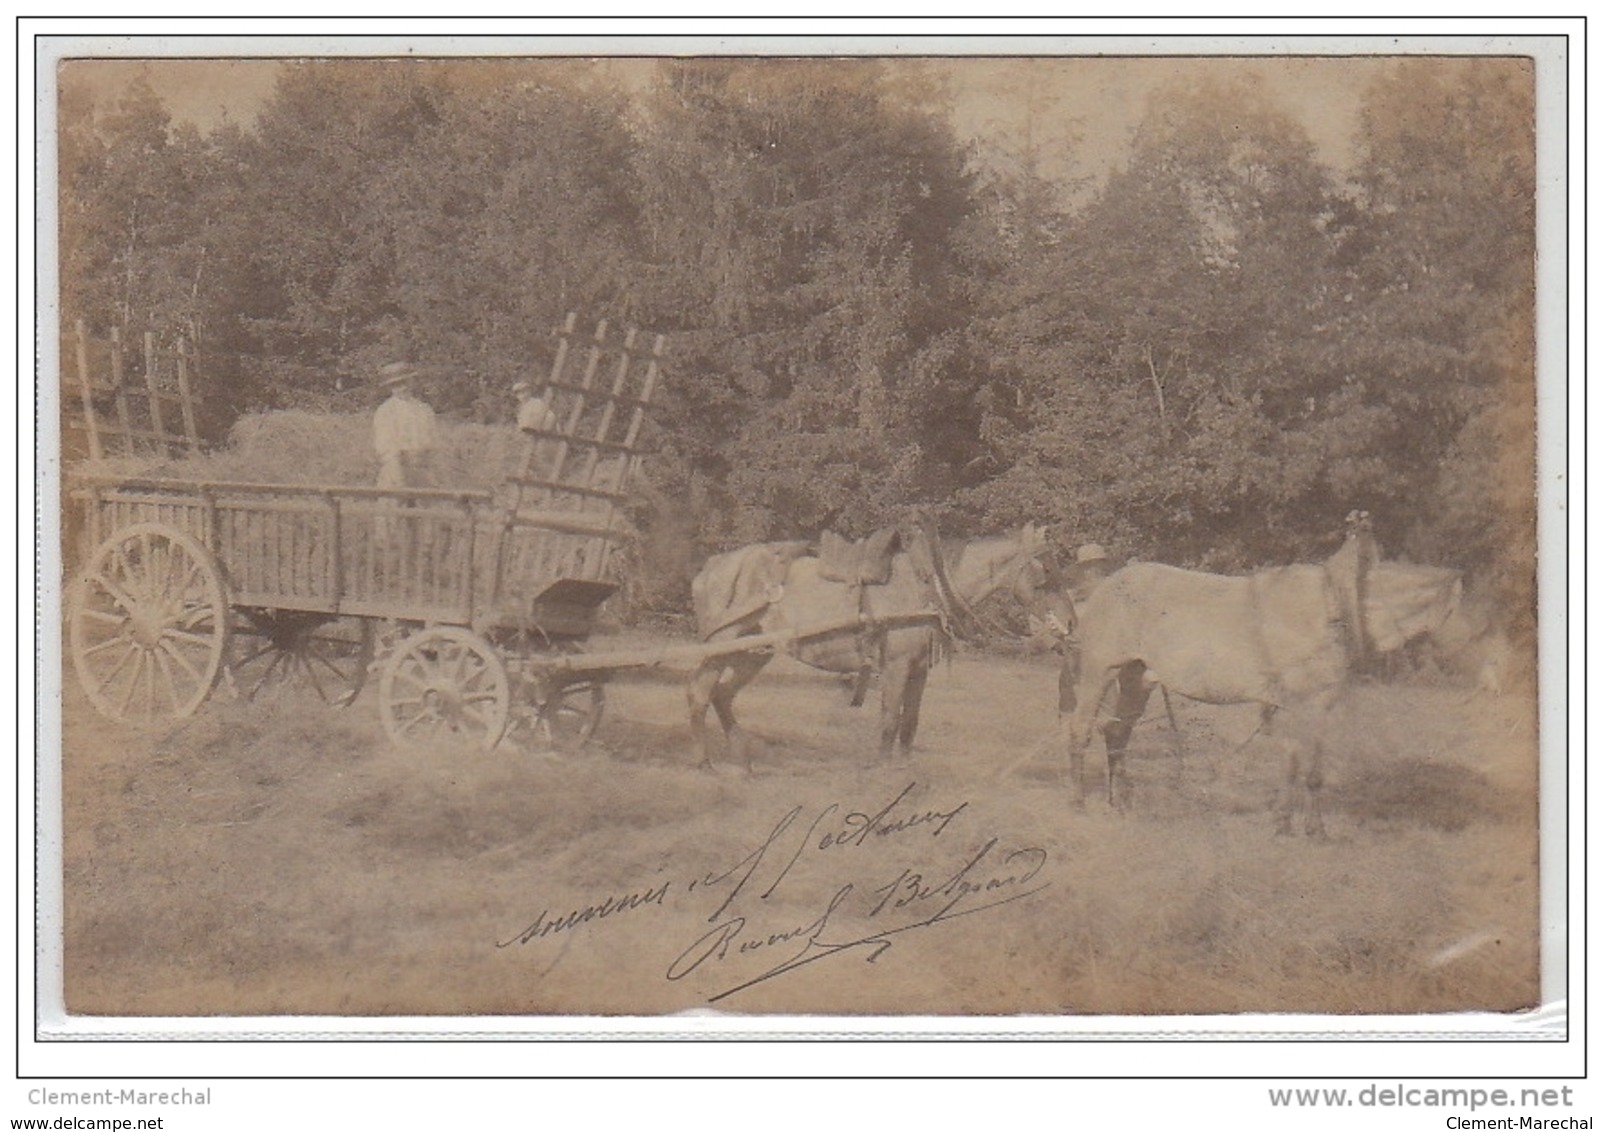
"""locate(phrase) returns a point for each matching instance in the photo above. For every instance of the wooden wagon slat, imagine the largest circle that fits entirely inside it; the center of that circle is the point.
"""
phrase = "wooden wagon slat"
(581, 442)
(625, 399)
(134, 433)
(292, 490)
(274, 599)
(568, 524)
(560, 486)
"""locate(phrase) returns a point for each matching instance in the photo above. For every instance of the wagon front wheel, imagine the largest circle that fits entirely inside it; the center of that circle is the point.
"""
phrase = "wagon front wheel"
(148, 625)
(444, 685)
(564, 716)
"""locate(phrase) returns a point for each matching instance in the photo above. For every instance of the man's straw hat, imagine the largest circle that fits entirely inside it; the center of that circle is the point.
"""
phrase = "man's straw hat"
(396, 373)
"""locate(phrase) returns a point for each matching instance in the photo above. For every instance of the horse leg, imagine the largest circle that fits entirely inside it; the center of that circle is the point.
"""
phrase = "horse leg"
(1084, 702)
(1302, 734)
(1291, 790)
(699, 692)
(1128, 708)
(1174, 728)
(912, 699)
(743, 669)
(709, 686)
(894, 677)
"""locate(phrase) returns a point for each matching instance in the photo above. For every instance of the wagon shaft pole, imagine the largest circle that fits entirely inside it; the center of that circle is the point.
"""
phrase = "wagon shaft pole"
(710, 650)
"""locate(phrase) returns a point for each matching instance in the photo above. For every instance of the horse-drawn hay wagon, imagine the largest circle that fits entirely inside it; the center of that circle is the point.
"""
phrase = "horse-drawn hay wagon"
(474, 608)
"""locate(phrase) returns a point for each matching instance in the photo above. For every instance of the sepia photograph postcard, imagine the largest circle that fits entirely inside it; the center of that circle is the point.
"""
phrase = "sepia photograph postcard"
(1022, 535)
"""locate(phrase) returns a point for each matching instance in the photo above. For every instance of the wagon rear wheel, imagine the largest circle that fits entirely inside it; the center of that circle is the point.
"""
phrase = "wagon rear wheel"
(277, 649)
(148, 625)
(444, 685)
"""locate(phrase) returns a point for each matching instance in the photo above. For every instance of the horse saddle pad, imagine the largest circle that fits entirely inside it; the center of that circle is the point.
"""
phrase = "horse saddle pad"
(864, 562)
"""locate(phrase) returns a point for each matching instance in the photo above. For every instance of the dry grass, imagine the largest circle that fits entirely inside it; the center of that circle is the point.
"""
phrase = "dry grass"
(263, 860)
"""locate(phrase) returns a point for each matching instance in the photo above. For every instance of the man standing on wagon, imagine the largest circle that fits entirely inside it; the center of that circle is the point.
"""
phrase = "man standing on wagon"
(537, 421)
(404, 432)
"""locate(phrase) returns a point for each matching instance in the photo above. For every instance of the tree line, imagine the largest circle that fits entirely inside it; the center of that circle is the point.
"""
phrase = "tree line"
(1207, 358)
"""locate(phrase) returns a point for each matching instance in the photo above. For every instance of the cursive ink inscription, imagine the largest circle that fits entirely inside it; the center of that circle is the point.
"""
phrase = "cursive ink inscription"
(1018, 869)
(985, 879)
(823, 833)
(753, 937)
(716, 944)
(856, 826)
(611, 906)
(971, 889)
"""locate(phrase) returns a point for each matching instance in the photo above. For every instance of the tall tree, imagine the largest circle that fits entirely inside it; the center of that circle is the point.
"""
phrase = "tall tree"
(1159, 388)
(447, 212)
(128, 192)
(1443, 258)
(802, 222)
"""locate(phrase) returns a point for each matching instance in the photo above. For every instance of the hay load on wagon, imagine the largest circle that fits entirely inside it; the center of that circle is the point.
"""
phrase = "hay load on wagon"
(295, 446)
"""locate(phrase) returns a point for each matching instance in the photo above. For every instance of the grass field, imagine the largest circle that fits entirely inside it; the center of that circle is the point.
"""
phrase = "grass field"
(280, 857)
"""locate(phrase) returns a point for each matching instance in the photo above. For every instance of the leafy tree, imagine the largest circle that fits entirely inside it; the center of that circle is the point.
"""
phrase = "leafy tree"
(1443, 264)
(446, 212)
(1163, 392)
(128, 186)
(801, 222)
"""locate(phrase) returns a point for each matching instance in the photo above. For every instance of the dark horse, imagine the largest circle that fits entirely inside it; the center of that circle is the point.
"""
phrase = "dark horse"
(773, 587)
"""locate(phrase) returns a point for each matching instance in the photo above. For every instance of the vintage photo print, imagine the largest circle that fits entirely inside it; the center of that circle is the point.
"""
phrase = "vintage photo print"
(1046, 538)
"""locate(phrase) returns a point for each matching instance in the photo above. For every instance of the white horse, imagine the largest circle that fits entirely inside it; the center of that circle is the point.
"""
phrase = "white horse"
(777, 586)
(1284, 639)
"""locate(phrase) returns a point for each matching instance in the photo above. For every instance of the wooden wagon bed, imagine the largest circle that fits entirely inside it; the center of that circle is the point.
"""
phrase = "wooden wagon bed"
(461, 558)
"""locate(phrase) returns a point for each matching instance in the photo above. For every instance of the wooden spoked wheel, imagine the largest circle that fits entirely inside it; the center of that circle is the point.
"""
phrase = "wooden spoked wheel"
(273, 650)
(444, 685)
(563, 715)
(148, 625)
